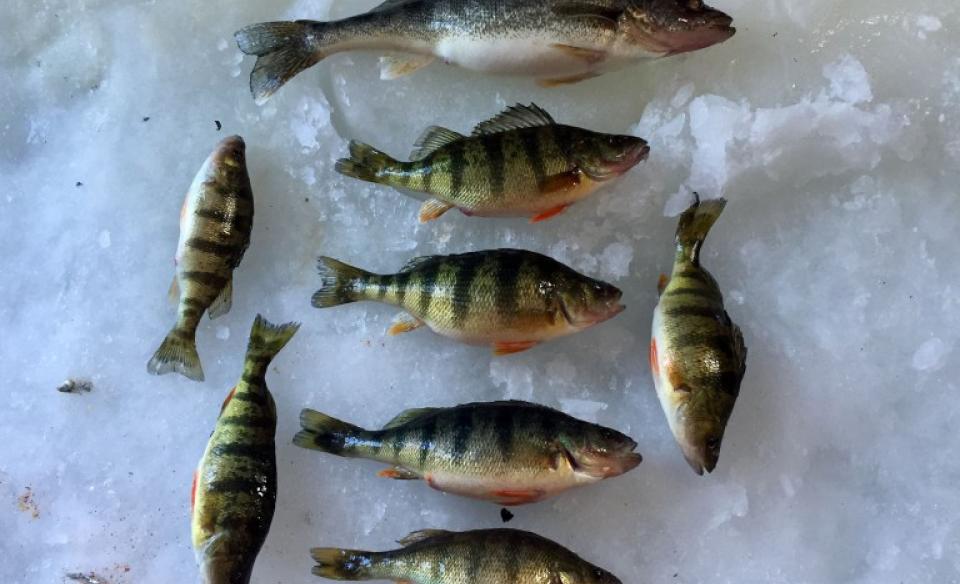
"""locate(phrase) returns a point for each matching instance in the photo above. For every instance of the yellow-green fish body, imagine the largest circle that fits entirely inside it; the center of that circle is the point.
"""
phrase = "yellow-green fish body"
(520, 163)
(487, 556)
(235, 487)
(215, 225)
(509, 299)
(697, 354)
(510, 452)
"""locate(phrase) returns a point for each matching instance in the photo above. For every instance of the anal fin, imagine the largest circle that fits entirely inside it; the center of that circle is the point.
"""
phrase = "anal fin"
(404, 323)
(397, 66)
(433, 209)
(223, 302)
(662, 283)
(173, 294)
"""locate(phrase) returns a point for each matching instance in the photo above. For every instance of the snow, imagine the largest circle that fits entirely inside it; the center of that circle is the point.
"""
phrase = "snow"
(830, 126)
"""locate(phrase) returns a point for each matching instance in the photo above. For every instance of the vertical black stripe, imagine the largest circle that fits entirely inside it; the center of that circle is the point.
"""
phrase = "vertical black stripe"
(428, 282)
(530, 140)
(428, 433)
(402, 280)
(508, 275)
(496, 164)
(503, 429)
(466, 271)
(383, 285)
(463, 429)
(399, 437)
(457, 164)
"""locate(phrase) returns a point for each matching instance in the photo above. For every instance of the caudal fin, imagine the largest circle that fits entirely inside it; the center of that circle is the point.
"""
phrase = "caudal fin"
(283, 50)
(695, 224)
(340, 283)
(340, 564)
(177, 354)
(365, 163)
(266, 340)
(324, 433)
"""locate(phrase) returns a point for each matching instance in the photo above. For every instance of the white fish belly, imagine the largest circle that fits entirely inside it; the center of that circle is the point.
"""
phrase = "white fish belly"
(533, 56)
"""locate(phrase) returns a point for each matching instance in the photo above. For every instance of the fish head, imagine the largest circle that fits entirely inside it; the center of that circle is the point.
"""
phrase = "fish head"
(606, 156)
(229, 158)
(699, 427)
(225, 569)
(586, 302)
(600, 452)
(677, 26)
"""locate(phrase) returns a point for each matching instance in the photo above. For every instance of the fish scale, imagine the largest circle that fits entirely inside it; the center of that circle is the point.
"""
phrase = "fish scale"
(509, 452)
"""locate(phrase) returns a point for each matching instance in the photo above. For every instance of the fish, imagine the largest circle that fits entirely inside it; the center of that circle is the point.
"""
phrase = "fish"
(556, 42)
(235, 486)
(507, 452)
(520, 163)
(215, 225)
(484, 556)
(509, 299)
(697, 354)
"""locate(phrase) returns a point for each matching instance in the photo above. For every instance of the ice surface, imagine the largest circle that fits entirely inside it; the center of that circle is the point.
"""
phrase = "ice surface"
(832, 128)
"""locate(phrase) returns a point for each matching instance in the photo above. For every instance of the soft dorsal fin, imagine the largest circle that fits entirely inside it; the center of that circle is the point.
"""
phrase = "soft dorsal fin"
(739, 349)
(515, 117)
(432, 139)
(422, 535)
(390, 4)
(417, 262)
(406, 416)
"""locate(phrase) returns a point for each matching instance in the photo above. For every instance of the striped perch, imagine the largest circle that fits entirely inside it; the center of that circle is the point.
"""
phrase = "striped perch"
(235, 486)
(697, 354)
(215, 225)
(520, 163)
(487, 556)
(510, 452)
(509, 299)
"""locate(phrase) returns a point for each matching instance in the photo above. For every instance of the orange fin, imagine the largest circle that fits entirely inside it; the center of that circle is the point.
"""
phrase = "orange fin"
(662, 283)
(173, 294)
(501, 349)
(404, 323)
(560, 183)
(193, 491)
(654, 358)
(398, 473)
(228, 398)
(549, 83)
(549, 214)
(433, 209)
(589, 56)
(510, 498)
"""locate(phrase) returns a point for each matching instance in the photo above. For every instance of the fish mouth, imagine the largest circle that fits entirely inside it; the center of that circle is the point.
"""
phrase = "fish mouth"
(688, 41)
(699, 466)
(230, 151)
(606, 465)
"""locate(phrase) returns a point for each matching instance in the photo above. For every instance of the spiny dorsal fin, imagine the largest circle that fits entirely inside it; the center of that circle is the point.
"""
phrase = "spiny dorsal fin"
(432, 139)
(407, 416)
(515, 117)
(417, 262)
(422, 535)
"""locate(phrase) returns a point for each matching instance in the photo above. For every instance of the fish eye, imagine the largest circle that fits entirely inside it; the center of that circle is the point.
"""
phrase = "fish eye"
(713, 444)
(695, 4)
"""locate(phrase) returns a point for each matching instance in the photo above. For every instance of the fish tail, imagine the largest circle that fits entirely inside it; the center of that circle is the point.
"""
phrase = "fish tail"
(340, 283)
(283, 50)
(341, 564)
(177, 353)
(365, 163)
(266, 340)
(325, 433)
(695, 224)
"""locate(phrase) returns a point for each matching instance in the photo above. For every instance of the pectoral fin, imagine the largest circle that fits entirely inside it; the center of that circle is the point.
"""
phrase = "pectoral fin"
(662, 283)
(557, 82)
(510, 498)
(560, 183)
(399, 474)
(588, 56)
